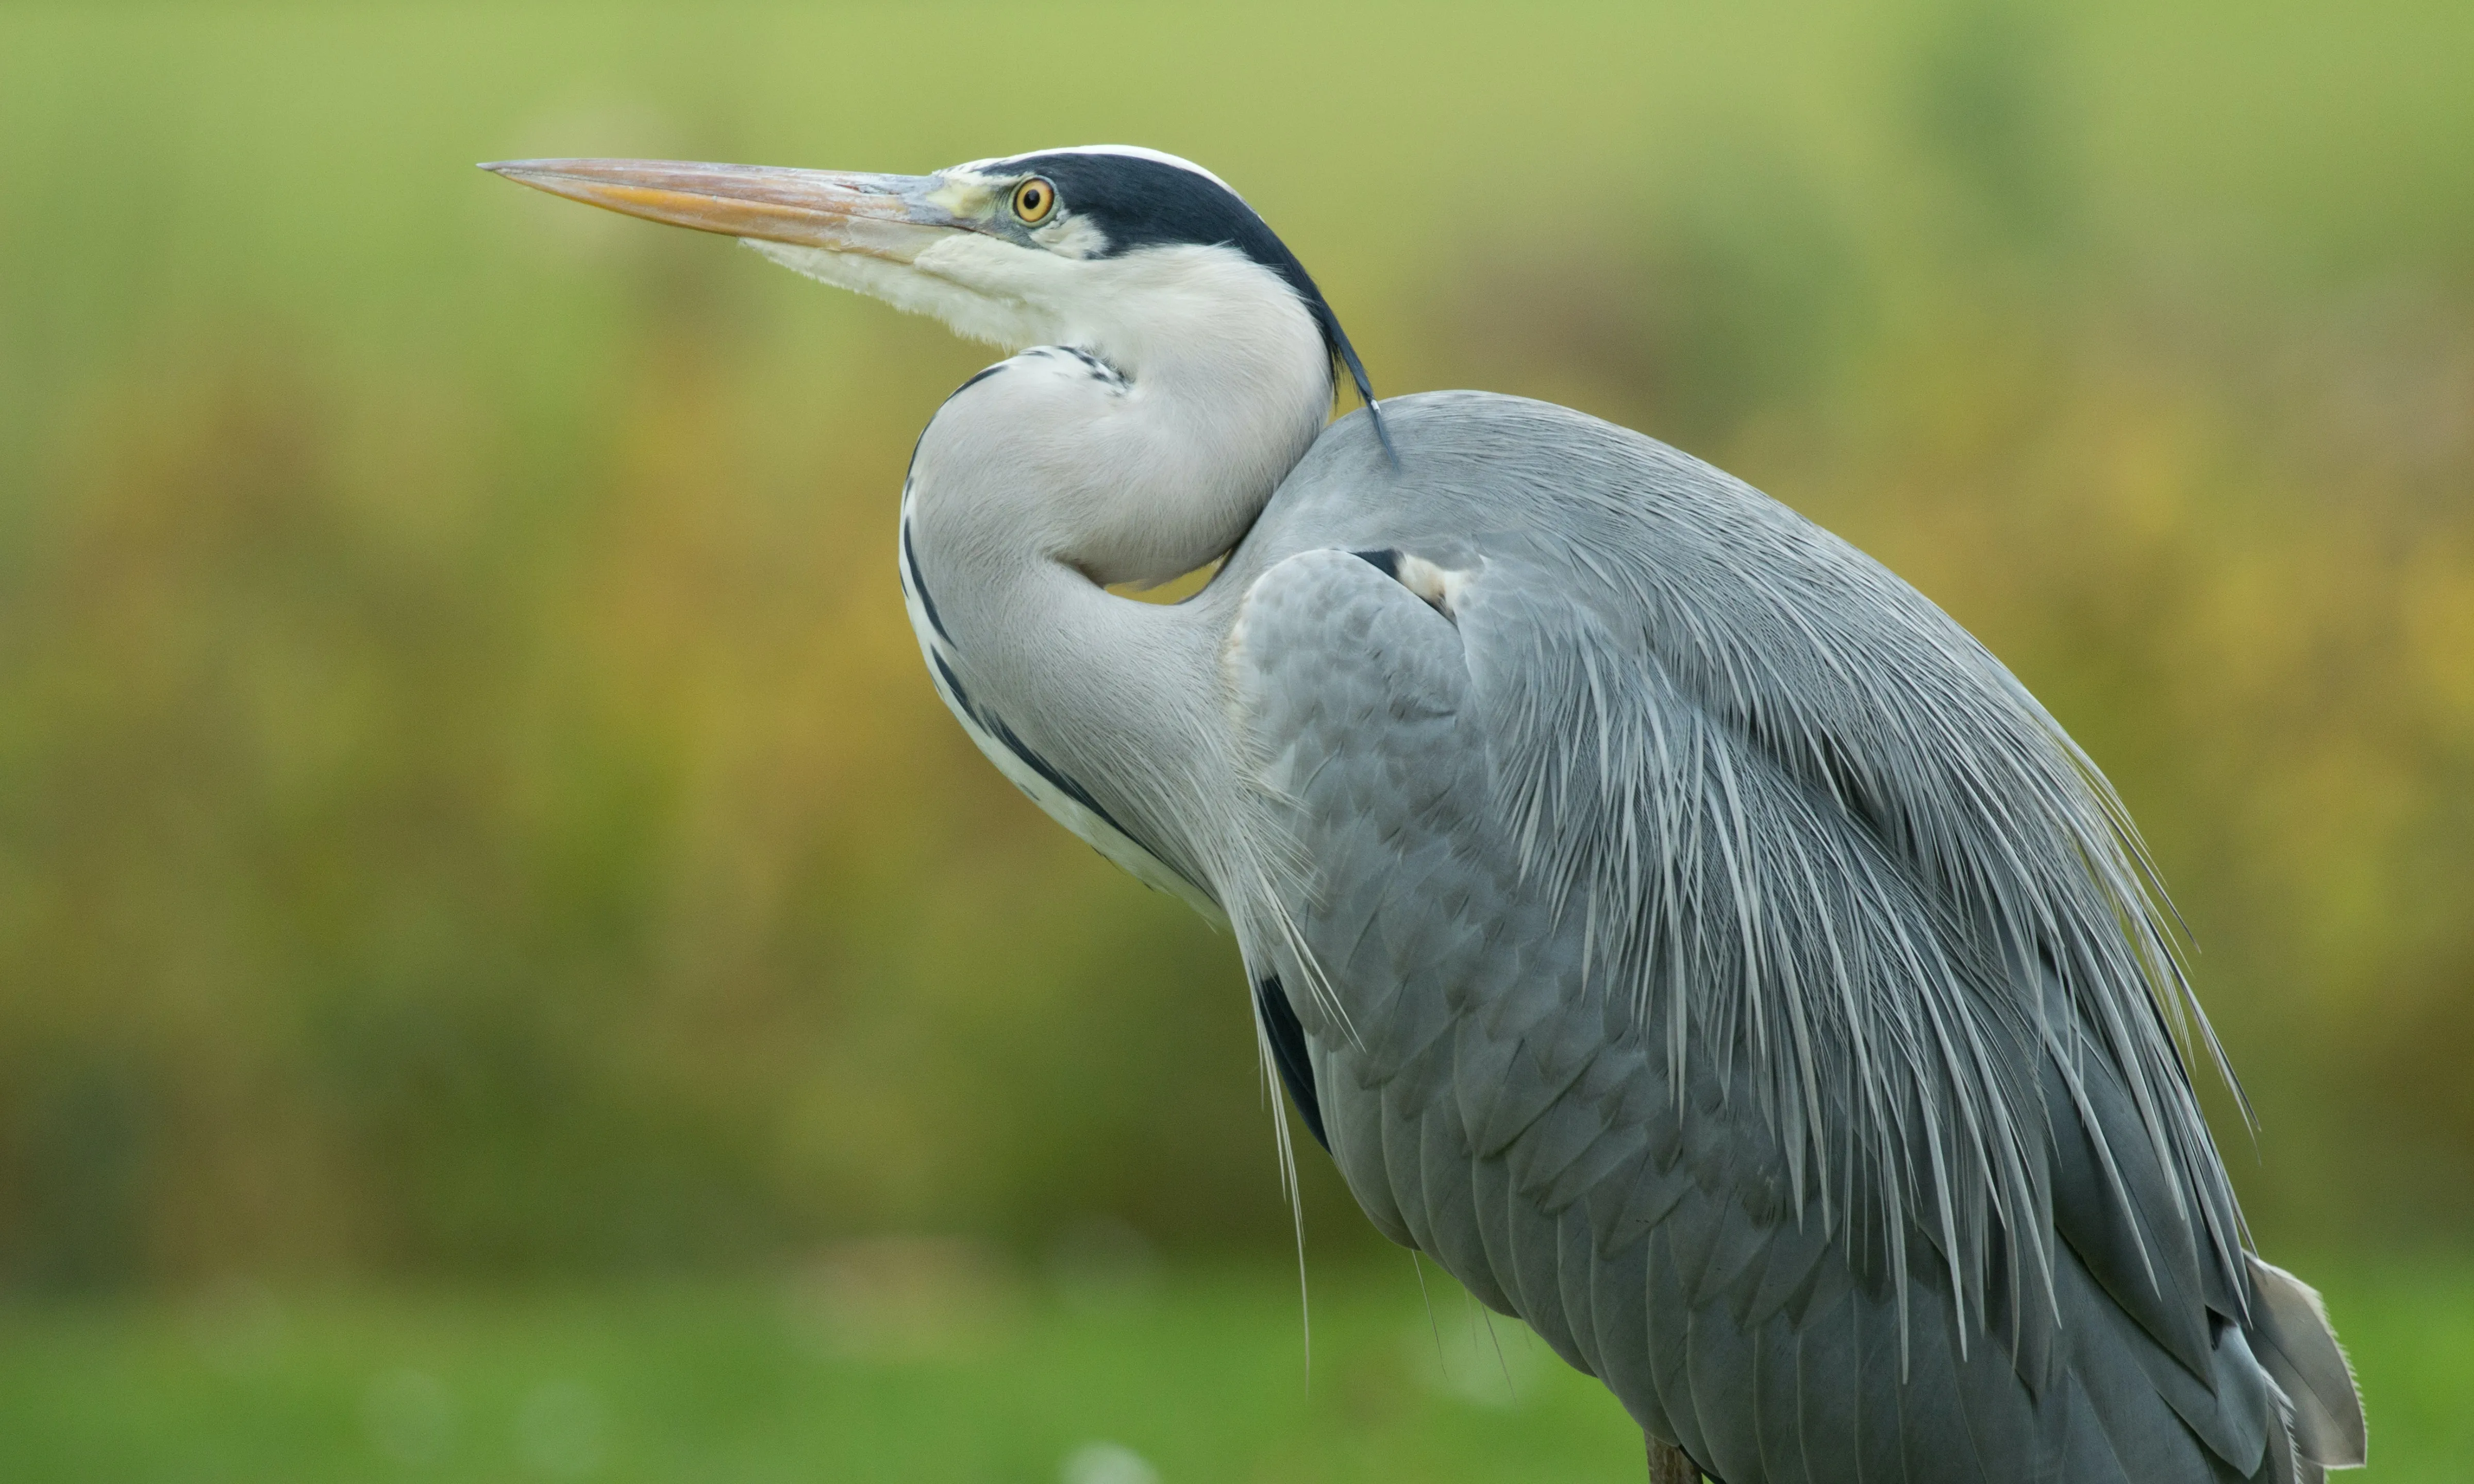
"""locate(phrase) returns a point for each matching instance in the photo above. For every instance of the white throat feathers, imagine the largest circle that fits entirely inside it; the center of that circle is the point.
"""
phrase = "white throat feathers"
(1144, 442)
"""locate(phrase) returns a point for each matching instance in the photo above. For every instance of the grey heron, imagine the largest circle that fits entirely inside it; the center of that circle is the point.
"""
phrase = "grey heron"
(1669, 920)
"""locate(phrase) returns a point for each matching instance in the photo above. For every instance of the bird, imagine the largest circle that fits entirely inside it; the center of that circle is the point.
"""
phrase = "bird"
(1669, 920)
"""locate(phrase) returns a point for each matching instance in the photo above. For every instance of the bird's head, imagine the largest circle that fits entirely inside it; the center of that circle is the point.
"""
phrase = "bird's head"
(1108, 247)
(1147, 263)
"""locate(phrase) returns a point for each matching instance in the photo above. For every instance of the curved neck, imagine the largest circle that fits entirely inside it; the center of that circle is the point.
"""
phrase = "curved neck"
(1147, 443)
(1062, 470)
(1110, 702)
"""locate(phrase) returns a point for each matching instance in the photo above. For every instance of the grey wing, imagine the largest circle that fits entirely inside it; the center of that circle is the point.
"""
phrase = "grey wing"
(1502, 1087)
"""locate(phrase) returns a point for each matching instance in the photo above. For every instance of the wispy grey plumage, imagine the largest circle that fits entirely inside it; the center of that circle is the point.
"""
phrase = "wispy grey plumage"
(1671, 921)
(1769, 1002)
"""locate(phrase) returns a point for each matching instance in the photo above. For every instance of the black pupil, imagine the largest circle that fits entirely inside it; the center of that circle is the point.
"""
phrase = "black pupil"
(1030, 199)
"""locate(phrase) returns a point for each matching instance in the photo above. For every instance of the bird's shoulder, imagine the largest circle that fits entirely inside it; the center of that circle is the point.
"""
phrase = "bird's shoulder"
(1586, 745)
(1462, 460)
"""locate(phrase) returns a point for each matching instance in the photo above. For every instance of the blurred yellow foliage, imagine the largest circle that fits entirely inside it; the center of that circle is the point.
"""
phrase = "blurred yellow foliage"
(469, 798)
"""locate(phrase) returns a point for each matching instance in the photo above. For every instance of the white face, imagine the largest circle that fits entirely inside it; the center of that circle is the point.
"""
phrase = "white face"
(1119, 308)
(1018, 259)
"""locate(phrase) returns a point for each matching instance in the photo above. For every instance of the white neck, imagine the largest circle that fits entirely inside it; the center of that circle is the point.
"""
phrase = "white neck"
(1213, 380)
(1138, 456)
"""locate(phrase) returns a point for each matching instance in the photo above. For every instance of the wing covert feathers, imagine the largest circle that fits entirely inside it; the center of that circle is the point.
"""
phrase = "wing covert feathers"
(1747, 984)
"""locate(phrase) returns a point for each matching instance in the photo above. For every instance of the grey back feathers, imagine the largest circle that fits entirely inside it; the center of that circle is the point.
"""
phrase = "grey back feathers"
(1812, 829)
(1739, 976)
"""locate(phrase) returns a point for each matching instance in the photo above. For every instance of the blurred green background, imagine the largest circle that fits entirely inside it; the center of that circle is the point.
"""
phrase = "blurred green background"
(494, 920)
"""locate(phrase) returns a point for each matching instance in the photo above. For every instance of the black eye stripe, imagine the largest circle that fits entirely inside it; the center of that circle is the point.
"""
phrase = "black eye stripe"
(1134, 202)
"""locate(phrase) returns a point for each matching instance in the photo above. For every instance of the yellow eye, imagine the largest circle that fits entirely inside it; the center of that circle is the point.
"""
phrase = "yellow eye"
(1034, 200)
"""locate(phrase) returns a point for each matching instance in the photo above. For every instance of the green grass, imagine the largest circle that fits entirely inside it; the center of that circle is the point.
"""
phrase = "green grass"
(900, 1366)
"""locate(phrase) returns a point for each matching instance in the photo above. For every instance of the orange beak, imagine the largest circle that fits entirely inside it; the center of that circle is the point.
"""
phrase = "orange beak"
(889, 217)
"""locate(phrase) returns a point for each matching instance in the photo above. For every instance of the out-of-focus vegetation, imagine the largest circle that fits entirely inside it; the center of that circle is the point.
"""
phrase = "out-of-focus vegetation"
(906, 1364)
(937, 1372)
(917, 1365)
(469, 802)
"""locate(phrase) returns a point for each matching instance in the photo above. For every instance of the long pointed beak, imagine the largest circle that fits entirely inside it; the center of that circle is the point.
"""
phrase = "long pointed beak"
(889, 217)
